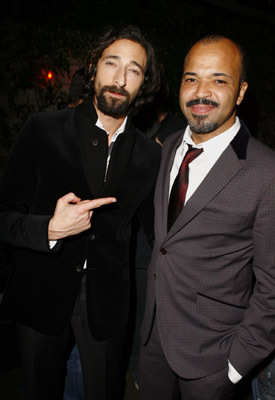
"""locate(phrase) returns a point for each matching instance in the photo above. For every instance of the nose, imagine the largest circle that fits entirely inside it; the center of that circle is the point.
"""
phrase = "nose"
(202, 90)
(120, 78)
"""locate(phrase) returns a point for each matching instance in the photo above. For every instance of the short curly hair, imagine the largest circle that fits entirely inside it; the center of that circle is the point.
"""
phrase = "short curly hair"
(151, 82)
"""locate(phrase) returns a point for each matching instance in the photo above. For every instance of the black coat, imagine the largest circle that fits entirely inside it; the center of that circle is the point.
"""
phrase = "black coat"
(57, 153)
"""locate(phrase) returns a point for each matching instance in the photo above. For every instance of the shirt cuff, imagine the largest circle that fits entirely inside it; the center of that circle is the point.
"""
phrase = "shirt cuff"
(233, 375)
(52, 243)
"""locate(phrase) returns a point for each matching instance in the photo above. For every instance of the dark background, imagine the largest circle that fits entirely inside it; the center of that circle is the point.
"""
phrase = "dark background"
(55, 35)
(38, 36)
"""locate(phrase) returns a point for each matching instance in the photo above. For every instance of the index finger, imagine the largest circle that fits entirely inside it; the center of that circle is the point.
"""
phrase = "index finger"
(89, 205)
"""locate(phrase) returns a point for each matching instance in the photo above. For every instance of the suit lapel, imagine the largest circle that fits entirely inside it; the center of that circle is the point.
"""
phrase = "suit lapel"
(227, 166)
(162, 185)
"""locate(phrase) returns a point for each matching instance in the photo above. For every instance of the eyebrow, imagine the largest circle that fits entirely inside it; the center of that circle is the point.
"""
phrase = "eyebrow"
(214, 74)
(133, 62)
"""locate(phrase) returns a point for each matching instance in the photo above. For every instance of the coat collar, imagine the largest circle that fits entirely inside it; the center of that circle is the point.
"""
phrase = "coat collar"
(94, 148)
(226, 167)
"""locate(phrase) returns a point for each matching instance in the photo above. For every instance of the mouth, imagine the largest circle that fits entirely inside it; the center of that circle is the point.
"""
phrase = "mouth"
(201, 109)
(201, 106)
(115, 94)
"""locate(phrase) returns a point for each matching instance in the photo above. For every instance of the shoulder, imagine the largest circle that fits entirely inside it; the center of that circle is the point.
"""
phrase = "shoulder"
(47, 118)
(258, 160)
(260, 149)
(169, 126)
(146, 154)
(173, 141)
(46, 122)
(40, 127)
(147, 145)
(261, 159)
(50, 117)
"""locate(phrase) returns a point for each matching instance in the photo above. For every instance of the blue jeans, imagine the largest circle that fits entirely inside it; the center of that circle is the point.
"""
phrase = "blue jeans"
(73, 384)
(263, 386)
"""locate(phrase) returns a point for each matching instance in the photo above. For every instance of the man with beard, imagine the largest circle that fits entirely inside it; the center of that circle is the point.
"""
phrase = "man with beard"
(206, 323)
(69, 277)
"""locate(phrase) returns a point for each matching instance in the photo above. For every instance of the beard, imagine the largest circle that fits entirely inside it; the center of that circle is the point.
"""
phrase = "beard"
(111, 106)
(199, 125)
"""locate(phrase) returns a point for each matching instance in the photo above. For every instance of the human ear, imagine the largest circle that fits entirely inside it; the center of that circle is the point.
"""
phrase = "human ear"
(243, 88)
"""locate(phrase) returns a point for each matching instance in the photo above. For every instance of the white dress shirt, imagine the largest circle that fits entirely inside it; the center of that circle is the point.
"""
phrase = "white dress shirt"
(198, 169)
(120, 130)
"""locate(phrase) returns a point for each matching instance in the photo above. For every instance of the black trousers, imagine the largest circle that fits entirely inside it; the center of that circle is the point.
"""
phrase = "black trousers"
(44, 358)
(157, 381)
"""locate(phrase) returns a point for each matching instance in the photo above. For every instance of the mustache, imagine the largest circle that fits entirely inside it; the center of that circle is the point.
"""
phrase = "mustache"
(202, 101)
(116, 90)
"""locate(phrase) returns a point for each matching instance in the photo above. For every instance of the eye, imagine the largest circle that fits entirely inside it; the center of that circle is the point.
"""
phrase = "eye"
(220, 82)
(189, 80)
(110, 63)
(135, 71)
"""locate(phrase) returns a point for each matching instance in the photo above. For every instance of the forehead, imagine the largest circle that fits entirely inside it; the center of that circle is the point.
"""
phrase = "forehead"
(216, 57)
(127, 51)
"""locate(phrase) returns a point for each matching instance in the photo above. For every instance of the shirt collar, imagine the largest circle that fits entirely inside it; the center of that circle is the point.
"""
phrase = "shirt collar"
(121, 129)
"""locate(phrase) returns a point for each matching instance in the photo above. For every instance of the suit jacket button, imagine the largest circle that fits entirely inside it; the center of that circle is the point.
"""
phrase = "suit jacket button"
(92, 236)
(155, 276)
(95, 142)
(163, 251)
(79, 268)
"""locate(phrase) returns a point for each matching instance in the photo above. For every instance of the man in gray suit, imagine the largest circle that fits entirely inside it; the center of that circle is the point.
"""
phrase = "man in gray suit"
(207, 323)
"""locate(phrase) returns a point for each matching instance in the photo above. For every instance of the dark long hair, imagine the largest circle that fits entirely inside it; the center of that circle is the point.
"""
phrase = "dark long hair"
(151, 81)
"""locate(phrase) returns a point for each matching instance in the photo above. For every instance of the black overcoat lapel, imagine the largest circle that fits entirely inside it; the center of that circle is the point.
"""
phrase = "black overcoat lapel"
(93, 144)
(122, 156)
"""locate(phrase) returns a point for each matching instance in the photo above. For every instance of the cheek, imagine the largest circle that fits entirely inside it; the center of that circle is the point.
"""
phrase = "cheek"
(186, 93)
(227, 98)
(104, 77)
(133, 87)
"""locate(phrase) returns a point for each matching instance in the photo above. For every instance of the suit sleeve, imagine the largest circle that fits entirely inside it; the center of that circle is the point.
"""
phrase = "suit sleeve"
(254, 339)
(18, 225)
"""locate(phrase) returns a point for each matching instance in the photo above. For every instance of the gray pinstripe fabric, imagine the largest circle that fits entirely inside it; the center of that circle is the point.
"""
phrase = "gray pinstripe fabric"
(203, 283)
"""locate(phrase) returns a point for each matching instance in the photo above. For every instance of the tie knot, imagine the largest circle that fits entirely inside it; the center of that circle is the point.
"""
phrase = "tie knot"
(191, 154)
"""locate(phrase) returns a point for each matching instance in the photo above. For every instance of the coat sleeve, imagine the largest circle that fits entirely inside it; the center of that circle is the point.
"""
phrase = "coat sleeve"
(146, 210)
(146, 217)
(18, 225)
(254, 338)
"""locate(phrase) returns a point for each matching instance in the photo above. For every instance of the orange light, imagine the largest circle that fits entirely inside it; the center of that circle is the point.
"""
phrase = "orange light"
(50, 75)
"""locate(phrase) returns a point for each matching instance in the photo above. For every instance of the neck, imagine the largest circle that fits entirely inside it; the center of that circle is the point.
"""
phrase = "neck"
(202, 137)
(110, 124)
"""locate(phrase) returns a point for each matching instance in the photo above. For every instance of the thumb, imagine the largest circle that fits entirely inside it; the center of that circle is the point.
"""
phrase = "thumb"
(69, 198)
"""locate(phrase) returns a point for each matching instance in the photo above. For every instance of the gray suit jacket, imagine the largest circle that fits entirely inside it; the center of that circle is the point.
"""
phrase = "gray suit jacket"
(212, 276)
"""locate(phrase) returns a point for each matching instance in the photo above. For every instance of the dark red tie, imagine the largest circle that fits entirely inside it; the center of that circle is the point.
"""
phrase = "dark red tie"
(178, 191)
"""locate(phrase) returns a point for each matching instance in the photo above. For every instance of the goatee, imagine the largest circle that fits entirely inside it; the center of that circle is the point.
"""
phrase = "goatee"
(199, 126)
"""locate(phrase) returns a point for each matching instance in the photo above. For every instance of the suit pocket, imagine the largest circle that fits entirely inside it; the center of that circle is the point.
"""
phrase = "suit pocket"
(218, 310)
